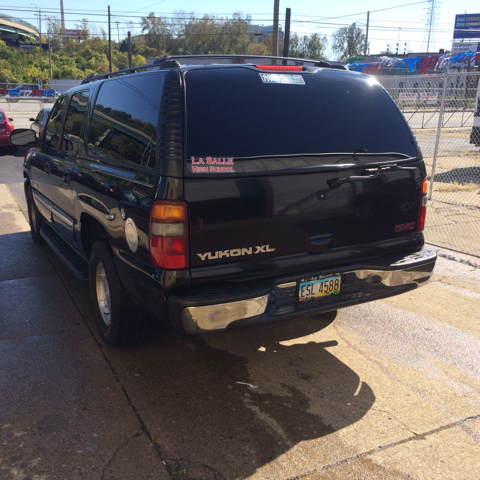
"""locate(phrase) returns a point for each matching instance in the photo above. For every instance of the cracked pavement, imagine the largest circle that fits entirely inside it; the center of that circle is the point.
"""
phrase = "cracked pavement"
(386, 390)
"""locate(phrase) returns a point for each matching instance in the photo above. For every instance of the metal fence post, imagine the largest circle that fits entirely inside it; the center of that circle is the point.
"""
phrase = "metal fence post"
(437, 140)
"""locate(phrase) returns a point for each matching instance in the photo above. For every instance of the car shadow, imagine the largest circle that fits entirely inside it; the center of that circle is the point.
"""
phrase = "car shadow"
(207, 425)
(461, 176)
(213, 426)
(18, 153)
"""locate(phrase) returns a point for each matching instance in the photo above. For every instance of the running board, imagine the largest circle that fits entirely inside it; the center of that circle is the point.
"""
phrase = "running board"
(70, 257)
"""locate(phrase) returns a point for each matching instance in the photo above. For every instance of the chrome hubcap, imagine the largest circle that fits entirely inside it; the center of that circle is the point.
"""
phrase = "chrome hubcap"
(103, 294)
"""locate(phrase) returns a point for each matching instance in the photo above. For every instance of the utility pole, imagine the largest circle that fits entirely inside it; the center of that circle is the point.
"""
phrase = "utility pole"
(62, 18)
(276, 6)
(109, 42)
(129, 50)
(366, 35)
(118, 31)
(286, 42)
(50, 56)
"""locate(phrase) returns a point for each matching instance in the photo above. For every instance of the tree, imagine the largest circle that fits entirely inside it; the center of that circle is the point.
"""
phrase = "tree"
(157, 31)
(348, 42)
(308, 46)
(54, 32)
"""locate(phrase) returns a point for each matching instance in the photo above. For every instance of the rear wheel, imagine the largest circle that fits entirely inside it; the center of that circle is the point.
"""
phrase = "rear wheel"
(118, 320)
(34, 217)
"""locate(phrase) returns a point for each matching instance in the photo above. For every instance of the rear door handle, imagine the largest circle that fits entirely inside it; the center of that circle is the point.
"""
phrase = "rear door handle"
(66, 178)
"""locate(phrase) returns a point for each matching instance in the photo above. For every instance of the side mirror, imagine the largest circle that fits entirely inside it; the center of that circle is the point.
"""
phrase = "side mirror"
(11, 119)
(21, 137)
(31, 119)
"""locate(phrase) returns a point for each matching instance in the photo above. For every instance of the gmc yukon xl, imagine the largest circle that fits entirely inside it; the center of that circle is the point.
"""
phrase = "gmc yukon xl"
(222, 191)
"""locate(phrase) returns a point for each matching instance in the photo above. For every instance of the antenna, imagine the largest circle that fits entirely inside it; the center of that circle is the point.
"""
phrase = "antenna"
(428, 39)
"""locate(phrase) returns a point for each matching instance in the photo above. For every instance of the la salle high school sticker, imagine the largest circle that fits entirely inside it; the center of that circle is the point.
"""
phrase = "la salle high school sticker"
(211, 165)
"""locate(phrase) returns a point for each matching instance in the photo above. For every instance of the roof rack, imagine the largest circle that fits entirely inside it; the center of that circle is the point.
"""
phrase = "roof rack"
(167, 63)
(176, 61)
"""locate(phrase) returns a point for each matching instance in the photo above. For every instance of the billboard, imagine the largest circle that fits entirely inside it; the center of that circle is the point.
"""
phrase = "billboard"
(467, 26)
(465, 47)
(73, 33)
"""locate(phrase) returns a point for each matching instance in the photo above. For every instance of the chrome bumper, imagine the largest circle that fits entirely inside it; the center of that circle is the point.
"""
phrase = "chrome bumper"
(411, 271)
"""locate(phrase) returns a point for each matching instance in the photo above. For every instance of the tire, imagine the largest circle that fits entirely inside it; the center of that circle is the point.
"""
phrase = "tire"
(13, 149)
(119, 321)
(35, 218)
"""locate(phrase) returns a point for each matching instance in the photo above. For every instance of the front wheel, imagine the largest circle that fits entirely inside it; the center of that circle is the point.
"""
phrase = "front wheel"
(118, 321)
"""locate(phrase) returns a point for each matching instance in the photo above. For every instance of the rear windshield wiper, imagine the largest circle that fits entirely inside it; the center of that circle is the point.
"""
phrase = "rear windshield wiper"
(367, 174)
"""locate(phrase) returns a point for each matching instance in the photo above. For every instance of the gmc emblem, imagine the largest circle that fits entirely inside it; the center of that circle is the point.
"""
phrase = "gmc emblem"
(405, 226)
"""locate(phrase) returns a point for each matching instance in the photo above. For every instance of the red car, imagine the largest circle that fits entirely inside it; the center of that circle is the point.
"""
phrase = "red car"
(6, 126)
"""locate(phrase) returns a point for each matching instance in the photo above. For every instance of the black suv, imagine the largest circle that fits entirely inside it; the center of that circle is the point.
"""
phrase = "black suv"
(225, 191)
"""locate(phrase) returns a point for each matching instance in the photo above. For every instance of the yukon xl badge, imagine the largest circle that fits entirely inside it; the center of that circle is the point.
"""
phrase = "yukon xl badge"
(236, 252)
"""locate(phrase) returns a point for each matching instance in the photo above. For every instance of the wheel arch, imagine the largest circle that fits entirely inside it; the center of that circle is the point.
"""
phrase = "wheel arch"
(91, 230)
(26, 183)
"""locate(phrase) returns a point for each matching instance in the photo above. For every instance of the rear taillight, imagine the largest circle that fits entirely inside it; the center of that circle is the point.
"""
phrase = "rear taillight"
(280, 68)
(9, 127)
(423, 205)
(169, 235)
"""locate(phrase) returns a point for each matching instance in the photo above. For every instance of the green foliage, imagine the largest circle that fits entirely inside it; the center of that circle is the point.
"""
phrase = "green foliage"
(185, 34)
(71, 58)
(348, 42)
(198, 35)
(308, 46)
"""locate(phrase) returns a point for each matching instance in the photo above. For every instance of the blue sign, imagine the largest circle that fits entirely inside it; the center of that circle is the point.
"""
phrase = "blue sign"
(467, 26)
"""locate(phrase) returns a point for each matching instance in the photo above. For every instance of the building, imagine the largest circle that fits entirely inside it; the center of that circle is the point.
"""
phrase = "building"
(15, 30)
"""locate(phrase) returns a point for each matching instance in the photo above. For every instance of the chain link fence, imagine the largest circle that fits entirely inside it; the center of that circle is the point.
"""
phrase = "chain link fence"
(444, 114)
(24, 101)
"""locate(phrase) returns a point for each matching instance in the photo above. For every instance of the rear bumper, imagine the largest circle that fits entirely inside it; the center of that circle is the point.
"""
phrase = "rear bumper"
(274, 300)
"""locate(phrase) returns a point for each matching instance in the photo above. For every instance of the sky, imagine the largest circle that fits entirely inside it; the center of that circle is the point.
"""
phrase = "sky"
(391, 21)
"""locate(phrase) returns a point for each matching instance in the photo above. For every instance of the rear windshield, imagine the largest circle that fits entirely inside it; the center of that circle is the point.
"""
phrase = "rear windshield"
(238, 113)
(2, 116)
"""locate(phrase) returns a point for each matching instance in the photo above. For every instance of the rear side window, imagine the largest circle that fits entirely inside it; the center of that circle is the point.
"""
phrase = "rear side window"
(2, 116)
(77, 109)
(125, 120)
(233, 113)
(54, 124)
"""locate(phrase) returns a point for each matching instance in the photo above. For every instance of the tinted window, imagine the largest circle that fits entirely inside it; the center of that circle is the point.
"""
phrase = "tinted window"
(2, 116)
(54, 124)
(74, 120)
(39, 116)
(125, 119)
(233, 113)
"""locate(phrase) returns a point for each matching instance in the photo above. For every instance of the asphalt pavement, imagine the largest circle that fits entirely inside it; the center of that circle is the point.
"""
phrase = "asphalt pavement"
(386, 390)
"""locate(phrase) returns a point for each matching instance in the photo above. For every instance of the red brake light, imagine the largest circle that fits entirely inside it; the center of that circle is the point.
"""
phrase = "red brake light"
(169, 235)
(422, 215)
(280, 68)
(9, 127)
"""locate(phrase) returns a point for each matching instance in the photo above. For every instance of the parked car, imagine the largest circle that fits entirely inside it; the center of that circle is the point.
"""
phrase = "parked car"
(228, 191)
(6, 126)
(28, 91)
(40, 120)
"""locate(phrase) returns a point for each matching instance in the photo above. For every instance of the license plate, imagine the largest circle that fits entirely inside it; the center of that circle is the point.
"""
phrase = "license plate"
(315, 287)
